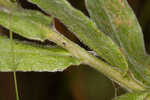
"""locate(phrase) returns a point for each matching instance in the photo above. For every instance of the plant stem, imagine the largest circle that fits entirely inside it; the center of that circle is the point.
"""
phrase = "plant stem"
(16, 86)
(13, 64)
(80, 53)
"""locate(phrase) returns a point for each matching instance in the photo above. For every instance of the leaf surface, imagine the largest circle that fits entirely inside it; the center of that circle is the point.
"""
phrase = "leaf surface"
(85, 30)
(33, 57)
(116, 19)
(27, 23)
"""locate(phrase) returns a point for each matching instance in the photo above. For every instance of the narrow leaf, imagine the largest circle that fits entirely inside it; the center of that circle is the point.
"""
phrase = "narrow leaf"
(33, 57)
(85, 30)
(29, 24)
(116, 18)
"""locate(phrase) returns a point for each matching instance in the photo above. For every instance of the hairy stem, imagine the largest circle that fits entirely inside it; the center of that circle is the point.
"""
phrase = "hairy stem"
(80, 53)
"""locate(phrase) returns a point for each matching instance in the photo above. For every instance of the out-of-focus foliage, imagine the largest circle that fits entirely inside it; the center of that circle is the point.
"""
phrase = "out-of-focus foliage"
(133, 96)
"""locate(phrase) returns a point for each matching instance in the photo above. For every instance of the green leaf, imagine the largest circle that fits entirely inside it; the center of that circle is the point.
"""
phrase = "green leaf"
(85, 30)
(27, 23)
(7, 4)
(33, 57)
(116, 19)
(134, 96)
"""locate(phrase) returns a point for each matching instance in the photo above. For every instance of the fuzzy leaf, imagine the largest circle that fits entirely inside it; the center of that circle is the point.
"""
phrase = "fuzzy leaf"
(33, 57)
(85, 30)
(27, 23)
(116, 19)
(133, 96)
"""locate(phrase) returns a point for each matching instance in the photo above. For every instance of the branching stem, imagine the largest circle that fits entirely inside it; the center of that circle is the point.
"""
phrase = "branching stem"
(109, 71)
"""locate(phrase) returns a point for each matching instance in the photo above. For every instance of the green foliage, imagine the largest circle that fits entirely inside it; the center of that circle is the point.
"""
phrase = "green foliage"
(30, 57)
(29, 24)
(7, 4)
(134, 96)
(116, 19)
(33, 57)
(112, 31)
(85, 30)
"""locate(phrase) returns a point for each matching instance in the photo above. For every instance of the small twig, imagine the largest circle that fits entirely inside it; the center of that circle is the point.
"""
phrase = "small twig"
(115, 89)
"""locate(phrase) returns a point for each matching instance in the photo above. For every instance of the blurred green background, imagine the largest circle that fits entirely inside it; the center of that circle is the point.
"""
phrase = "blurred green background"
(75, 83)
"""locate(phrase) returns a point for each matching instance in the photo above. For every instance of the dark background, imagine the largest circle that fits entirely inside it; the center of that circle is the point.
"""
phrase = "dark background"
(75, 83)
